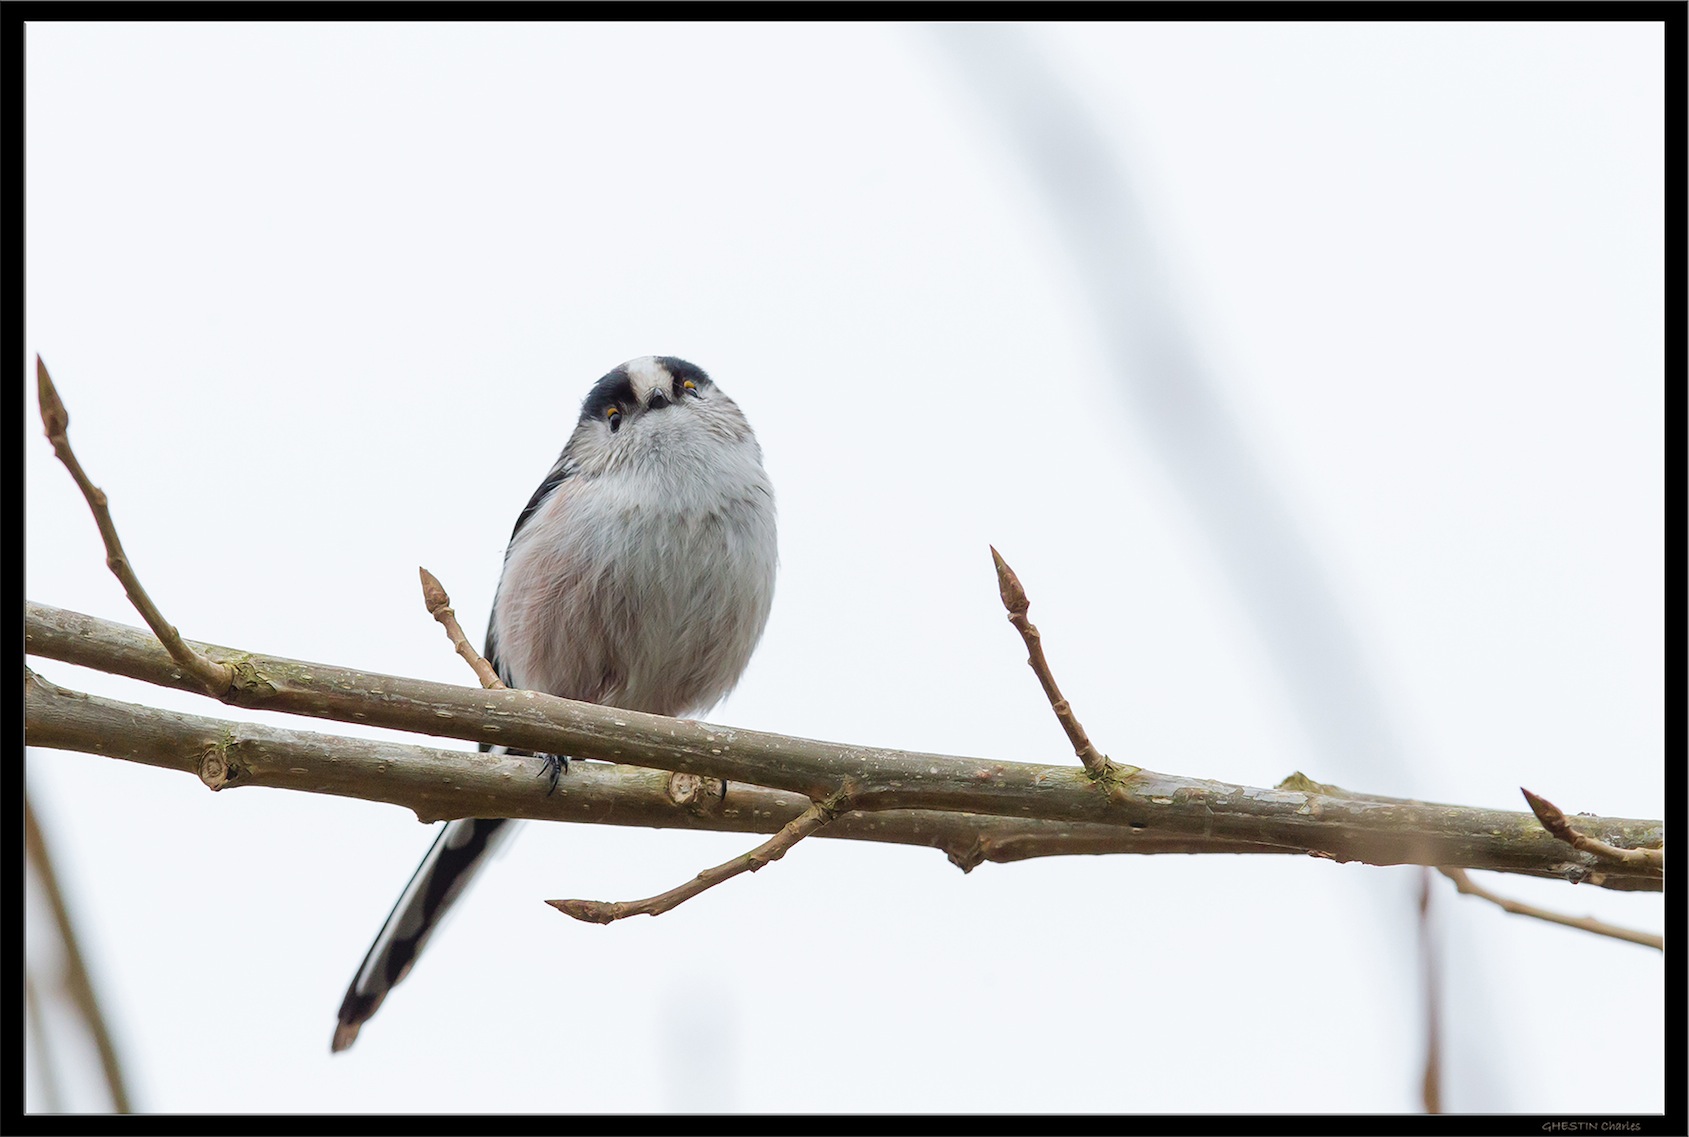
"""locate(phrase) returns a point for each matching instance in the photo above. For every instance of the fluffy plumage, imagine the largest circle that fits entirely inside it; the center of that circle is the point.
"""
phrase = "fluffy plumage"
(639, 575)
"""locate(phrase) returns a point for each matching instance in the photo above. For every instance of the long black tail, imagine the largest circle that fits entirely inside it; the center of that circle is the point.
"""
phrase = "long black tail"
(462, 847)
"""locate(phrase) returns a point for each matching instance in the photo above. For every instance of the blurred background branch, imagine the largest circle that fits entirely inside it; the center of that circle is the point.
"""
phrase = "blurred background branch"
(72, 981)
(1215, 464)
(1181, 409)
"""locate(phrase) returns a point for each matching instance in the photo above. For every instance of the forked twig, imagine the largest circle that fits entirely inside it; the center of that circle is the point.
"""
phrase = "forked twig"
(813, 818)
(1464, 884)
(440, 607)
(1554, 820)
(1096, 763)
(216, 678)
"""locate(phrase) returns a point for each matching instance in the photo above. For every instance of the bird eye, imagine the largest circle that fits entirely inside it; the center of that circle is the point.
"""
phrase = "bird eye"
(692, 387)
(614, 414)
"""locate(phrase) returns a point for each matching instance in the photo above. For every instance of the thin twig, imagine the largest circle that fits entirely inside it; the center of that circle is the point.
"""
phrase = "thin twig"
(77, 983)
(216, 678)
(440, 607)
(813, 818)
(1556, 823)
(1014, 599)
(1587, 923)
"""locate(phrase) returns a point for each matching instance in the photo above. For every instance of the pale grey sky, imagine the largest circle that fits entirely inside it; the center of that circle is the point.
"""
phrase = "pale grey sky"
(323, 301)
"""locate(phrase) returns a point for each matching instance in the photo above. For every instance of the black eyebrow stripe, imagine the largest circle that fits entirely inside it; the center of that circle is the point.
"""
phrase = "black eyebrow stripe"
(614, 388)
(681, 371)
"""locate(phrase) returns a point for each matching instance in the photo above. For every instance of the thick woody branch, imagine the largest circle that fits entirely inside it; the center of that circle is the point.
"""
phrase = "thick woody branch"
(815, 817)
(439, 784)
(214, 678)
(1314, 819)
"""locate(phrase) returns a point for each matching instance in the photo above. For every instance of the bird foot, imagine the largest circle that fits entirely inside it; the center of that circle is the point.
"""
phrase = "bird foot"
(554, 767)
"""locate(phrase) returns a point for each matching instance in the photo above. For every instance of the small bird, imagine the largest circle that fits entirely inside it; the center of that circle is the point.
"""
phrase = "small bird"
(639, 576)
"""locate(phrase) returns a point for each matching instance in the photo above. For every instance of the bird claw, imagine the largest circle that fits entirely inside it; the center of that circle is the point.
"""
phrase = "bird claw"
(554, 767)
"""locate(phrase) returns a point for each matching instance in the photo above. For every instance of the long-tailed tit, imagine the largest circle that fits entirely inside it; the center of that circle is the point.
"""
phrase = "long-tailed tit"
(638, 576)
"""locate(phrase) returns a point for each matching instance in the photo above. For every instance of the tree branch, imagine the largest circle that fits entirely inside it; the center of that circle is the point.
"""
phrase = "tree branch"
(439, 784)
(440, 607)
(1015, 600)
(1301, 815)
(77, 982)
(1554, 820)
(1466, 887)
(1431, 1076)
(214, 678)
(817, 816)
